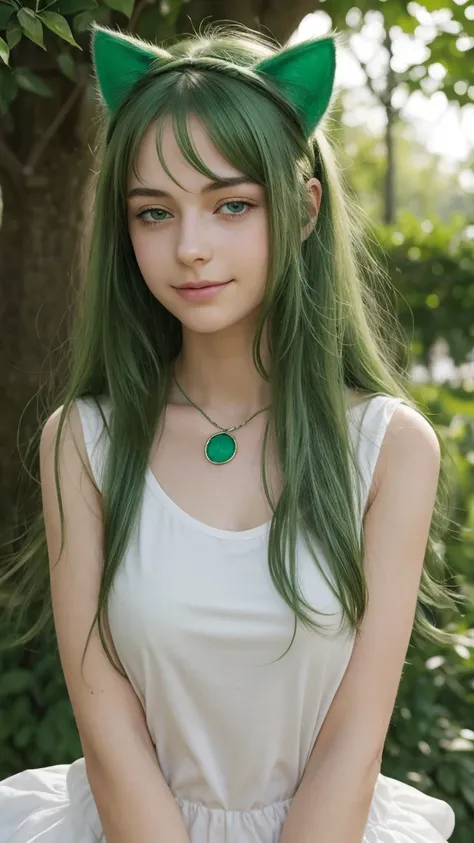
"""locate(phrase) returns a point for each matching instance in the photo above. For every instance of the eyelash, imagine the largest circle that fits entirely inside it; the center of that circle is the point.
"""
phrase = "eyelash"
(153, 223)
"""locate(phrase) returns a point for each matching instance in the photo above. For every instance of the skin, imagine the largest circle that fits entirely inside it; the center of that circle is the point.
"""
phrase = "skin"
(191, 236)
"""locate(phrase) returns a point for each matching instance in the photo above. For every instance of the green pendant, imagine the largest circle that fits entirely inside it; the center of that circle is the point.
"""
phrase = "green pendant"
(220, 448)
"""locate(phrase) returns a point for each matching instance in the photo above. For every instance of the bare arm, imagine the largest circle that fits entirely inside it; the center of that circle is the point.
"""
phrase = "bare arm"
(333, 800)
(134, 802)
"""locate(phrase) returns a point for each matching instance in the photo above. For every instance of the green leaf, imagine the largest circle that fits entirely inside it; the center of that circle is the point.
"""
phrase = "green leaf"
(125, 6)
(6, 11)
(14, 34)
(153, 24)
(407, 23)
(31, 26)
(29, 81)
(434, 5)
(15, 682)
(83, 20)
(59, 25)
(67, 65)
(72, 7)
(4, 51)
(23, 736)
(468, 794)
(447, 779)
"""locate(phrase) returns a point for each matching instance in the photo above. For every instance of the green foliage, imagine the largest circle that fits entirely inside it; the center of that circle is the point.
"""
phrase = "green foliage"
(37, 726)
(445, 43)
(31, 25)
(31, 82)
(69, 22)
(67, 65)
(432, 267)
(4, 51)
(13, 33)
(429, 744)
(423, 184)
(59, 25)
(124, 6)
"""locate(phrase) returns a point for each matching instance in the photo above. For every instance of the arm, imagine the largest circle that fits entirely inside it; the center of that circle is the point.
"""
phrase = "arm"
(134, 802)
(332, 802)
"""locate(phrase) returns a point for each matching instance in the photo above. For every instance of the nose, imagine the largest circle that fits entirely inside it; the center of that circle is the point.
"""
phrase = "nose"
(194, 242)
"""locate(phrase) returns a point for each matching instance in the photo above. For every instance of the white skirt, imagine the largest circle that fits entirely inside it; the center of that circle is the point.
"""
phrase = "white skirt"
(55, 805)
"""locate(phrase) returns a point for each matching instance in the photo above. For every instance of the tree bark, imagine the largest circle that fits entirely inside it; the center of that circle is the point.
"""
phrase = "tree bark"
(275, 18)
(38, 237)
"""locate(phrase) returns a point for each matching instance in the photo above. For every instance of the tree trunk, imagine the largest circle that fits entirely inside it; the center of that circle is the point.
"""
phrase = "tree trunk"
(277, 18)
(42, 219)
(38, 236)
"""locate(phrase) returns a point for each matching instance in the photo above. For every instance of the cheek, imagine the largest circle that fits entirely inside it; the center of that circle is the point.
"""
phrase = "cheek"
(143, 246)
(152, 267)
(249, 240)
(254, 252)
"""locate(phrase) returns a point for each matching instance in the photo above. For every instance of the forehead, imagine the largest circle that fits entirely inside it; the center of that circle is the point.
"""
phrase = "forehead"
(148, 167)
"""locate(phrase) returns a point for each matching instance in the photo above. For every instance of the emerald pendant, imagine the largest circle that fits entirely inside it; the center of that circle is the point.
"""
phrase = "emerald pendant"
(220, 448)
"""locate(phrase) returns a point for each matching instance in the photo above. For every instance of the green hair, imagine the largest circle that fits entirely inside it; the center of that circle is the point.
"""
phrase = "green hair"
(328, 330)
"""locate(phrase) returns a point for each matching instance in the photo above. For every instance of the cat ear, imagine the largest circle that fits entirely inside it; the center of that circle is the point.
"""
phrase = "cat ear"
(305, 76)
(120, 61)
(303, 73)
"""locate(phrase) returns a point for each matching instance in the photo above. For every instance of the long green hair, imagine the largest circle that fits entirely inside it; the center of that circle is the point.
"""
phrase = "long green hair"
(329, 329)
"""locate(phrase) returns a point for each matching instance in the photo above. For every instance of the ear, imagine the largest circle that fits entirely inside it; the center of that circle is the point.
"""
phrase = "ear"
(314, 188)
(305, 75)
(119, 62)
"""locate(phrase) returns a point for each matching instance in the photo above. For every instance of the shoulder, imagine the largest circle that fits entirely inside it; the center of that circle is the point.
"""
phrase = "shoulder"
(410, 453)
(72, 450)
(50, 429)
(410, 435)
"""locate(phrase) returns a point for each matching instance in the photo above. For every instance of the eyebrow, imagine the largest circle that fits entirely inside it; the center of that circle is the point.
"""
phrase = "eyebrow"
(218, 184)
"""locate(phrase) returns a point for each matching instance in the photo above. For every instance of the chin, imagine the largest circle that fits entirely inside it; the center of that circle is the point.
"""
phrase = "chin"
(207, 323)
(211, 317)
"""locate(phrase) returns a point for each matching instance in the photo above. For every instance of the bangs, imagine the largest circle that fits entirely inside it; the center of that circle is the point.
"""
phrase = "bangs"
(244, 125)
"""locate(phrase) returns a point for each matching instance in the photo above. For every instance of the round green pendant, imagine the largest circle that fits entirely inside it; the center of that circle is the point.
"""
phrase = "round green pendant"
(220, 448)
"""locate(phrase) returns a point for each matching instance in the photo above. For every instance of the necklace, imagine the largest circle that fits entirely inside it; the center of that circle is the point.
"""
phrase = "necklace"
(221, 447)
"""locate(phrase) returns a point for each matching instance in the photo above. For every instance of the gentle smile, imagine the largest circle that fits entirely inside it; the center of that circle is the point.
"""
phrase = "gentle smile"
(201, 293)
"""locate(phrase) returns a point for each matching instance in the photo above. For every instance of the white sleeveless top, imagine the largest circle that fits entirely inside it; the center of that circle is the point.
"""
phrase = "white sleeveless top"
(199, 628)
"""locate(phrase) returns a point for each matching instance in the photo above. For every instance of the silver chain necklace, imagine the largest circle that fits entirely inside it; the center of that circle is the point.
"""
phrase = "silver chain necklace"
(220, 448)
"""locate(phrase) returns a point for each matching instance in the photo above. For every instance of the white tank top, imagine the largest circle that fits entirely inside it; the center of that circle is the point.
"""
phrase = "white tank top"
(199, 626)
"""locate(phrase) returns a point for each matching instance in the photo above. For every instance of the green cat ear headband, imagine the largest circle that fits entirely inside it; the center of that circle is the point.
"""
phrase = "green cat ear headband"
(304, 74)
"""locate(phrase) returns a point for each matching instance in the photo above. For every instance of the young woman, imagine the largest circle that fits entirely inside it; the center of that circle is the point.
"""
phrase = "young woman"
(241, 540)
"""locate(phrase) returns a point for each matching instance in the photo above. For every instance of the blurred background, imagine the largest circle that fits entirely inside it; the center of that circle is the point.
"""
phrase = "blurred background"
(404, 126)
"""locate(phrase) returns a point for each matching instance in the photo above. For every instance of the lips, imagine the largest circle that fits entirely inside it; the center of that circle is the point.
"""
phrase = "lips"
(201, 294)
(202, 284)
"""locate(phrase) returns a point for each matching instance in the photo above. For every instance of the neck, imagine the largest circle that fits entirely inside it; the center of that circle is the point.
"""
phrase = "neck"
(218, 374)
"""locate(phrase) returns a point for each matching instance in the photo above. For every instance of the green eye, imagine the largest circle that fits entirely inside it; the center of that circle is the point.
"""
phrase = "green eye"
(152, 211)
(239, 209)
(234, 203)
